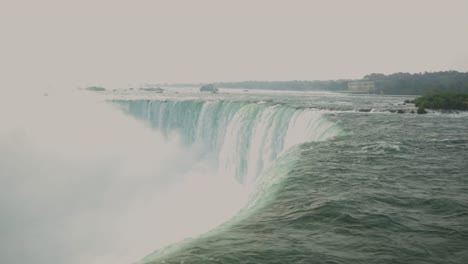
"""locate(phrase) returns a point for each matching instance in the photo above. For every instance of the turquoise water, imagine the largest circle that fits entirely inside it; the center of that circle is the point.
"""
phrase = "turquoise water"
(330, 183)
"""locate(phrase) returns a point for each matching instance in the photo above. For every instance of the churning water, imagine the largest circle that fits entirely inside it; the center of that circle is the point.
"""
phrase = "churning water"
(232, 178)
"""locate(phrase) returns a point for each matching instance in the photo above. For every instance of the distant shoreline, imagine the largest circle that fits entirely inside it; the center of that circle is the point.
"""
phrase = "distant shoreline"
(375, 83)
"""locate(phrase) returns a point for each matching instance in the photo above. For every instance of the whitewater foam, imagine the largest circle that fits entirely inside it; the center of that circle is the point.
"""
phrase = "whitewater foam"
(101, 187)
(245, 137)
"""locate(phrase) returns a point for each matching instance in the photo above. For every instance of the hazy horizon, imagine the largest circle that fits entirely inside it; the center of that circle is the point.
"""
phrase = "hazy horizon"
(116, 44)
(358, 173)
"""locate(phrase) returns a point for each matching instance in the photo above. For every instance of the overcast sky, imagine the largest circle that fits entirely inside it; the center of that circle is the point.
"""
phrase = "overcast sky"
(117, 43)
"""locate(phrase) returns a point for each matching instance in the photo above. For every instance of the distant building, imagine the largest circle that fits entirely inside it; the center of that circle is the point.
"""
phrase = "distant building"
(361, 86)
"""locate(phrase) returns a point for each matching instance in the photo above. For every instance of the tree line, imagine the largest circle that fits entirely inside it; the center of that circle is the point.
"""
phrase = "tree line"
(335, 85)
(419, 83)
(397, 83)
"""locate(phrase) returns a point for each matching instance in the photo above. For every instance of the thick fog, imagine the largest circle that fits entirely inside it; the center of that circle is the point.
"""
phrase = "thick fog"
(82, 183)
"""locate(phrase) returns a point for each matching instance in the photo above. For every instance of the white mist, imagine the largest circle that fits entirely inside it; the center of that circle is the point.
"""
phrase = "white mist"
(80, 183)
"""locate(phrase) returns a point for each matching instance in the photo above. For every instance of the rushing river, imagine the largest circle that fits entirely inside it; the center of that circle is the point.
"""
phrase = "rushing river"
(334, 178)
(232, 177)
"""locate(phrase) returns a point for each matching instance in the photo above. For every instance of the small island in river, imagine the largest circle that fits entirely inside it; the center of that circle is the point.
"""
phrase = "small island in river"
(209, 88)
(441, 100)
